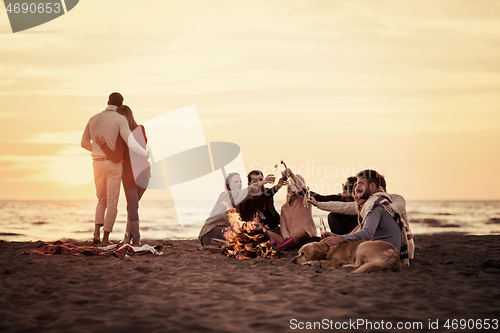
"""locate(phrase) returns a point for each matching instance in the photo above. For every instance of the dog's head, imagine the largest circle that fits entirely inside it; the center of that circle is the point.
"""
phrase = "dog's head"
(311, 252)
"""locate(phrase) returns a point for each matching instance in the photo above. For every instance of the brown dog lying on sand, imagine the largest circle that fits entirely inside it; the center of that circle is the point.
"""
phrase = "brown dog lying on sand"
(364, 255)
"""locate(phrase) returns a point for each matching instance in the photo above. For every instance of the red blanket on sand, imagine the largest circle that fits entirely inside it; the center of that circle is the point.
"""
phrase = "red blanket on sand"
(59, 248)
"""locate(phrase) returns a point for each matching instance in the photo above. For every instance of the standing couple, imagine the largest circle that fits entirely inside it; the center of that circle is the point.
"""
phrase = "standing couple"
(118, 151)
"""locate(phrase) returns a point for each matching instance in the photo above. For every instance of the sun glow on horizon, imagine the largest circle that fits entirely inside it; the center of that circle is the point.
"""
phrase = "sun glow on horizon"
(72, 170)
(405, 86)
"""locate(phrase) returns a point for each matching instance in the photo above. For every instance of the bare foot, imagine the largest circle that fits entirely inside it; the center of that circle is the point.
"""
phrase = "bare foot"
(105, 243)
(97, 234)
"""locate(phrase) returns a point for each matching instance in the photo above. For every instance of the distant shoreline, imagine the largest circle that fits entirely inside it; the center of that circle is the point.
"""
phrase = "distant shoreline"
(53, 220)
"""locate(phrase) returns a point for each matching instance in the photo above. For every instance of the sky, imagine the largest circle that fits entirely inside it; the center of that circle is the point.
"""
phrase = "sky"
(409, 88)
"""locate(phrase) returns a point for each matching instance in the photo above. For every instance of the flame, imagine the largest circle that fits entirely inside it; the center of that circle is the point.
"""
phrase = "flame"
(247, 239)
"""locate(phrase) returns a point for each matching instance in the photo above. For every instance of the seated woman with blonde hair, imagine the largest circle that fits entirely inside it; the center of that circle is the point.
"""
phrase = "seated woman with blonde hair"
(297, 224)
(232, 197)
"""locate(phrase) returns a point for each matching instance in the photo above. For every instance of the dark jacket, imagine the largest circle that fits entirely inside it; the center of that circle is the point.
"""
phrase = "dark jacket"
(264, 204)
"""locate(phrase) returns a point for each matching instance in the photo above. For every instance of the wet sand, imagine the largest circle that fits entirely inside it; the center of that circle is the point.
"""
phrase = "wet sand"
(191, 289)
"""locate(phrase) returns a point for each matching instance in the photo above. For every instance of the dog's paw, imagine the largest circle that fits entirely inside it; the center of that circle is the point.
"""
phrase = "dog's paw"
(308, 263)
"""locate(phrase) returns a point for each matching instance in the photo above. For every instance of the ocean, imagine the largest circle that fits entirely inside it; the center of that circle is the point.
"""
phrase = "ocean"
(55, 220)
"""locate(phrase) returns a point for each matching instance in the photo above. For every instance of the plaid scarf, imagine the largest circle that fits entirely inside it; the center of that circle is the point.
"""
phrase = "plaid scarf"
(383, 199)
(59, 248)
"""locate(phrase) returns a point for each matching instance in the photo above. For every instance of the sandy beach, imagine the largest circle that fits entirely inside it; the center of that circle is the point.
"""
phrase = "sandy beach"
(191, 289)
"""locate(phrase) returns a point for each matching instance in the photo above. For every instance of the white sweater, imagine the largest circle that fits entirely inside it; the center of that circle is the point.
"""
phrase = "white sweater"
(109, 124)
(349, 208)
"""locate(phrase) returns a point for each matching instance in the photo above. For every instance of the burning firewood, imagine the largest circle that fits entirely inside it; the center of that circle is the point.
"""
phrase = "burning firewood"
(247, 240)
(223, 242)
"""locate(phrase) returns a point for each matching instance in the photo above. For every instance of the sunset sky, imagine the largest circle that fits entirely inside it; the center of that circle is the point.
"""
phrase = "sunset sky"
(410, 88)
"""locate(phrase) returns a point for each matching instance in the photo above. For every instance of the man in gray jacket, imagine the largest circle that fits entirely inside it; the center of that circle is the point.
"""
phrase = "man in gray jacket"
(378, 224)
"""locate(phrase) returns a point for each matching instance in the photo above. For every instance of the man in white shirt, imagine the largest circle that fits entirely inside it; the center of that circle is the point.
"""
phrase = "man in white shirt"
(108, 124)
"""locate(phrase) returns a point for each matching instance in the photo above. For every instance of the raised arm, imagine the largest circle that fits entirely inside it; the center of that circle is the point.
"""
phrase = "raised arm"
(323, 198)
(253, 203)
(296, 179)
(340, 207)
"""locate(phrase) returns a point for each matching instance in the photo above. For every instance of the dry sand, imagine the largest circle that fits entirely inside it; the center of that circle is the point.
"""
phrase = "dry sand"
(190, 289)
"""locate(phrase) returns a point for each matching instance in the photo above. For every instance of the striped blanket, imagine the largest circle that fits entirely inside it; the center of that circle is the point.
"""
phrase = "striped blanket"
(119, 251)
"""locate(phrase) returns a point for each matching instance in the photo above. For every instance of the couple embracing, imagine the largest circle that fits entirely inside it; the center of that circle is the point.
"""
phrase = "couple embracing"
(119, 156)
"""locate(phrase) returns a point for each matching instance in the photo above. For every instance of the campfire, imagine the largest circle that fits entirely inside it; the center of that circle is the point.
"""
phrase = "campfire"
(245, 240)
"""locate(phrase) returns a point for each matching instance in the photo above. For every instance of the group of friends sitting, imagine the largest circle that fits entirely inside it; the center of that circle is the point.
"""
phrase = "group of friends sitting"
(364, 210)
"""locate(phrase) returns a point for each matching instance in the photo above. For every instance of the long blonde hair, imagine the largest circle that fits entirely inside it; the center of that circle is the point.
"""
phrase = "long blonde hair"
(290, 198)
(127, 113)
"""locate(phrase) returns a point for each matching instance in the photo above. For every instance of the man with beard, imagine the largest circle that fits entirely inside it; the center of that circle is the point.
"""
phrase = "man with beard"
(379, 219)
